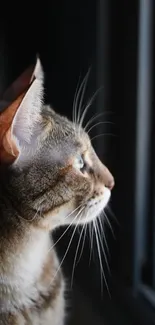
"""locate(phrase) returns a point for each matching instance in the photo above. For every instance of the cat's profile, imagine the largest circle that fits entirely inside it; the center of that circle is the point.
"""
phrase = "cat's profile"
(54, 178)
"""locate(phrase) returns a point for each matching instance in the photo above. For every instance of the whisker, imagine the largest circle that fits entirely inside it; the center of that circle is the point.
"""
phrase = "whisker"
(99, 257)
(79, 206)
(74, 101)
(78, 93)
(66, 229)
(92, 119)
(30, 220)
(91, 235)
(112, 214)
(83, 93)
(100, 261)
(101, 122)
(109, 224)
(103, 134)
(103, 234)
(87, 107)
(101, 245)
(95, 116)
(75, 258)
(84, 238)
(67, 249)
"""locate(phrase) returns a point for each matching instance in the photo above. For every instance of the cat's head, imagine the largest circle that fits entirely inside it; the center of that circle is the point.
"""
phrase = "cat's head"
(56, 177)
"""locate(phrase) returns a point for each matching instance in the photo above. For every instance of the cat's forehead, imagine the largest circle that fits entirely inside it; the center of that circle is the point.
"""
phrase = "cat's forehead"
(65, 139)
(65, 131)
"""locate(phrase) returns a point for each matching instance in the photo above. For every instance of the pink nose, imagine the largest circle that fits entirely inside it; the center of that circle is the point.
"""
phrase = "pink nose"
(108, 179)
(110, 184)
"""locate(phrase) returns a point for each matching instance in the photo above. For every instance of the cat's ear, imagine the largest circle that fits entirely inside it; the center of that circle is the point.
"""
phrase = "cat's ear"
(26, 124)
(38, 72)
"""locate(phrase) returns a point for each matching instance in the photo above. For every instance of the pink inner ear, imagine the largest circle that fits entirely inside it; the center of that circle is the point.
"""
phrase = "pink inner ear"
(8, 151)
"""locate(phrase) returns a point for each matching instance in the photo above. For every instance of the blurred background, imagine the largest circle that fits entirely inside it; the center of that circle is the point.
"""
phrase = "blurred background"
(116, 39)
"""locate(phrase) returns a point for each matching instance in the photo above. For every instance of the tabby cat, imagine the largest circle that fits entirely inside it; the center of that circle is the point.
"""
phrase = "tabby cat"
(53, 178)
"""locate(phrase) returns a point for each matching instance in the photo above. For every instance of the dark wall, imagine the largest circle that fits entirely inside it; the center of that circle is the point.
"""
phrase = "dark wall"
(64, 34)
(124, 103)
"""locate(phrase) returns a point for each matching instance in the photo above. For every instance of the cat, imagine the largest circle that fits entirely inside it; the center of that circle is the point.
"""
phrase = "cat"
(54, 178)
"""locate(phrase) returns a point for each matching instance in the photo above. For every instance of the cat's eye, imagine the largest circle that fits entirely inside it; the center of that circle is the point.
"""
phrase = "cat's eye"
(79, 163)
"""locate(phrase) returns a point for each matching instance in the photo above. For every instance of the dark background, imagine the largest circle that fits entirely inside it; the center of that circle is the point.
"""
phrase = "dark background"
(71, 36)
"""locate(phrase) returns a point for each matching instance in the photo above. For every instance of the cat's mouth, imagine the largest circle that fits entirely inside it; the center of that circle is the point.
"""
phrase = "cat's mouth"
(94, 206)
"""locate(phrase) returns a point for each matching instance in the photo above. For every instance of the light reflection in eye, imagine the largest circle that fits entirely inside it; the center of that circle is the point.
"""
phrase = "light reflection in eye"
(78, 162)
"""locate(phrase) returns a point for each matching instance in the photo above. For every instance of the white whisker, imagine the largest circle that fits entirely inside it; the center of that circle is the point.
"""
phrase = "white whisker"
(101, 245)
(74, 103)
(103, 234)
(102, 122)
(83, 93)
(75, 258)
(103, 134)
(67, 228)
(79, 206)
(100, 260)
(85, 231)
(91, 235)
(67, 247)
(77, 96)
(94, 117)
(109, 224)
(112, 214)
(33, 218)
(89, 103)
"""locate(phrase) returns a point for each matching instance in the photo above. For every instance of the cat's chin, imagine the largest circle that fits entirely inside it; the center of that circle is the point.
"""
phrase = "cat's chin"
(95, 207)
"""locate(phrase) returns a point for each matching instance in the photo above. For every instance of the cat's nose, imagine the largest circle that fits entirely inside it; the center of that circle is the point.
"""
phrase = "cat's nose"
(108, 179)
(110, 184)
(103, 174)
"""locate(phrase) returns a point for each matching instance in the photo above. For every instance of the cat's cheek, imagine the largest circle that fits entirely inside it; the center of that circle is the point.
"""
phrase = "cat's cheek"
(58, 216)
(79, 182)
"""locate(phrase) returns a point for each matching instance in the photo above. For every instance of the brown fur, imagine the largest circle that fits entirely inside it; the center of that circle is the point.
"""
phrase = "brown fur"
(11, 319)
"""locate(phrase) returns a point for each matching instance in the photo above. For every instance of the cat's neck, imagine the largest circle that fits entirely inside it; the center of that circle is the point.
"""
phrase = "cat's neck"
(22, 268)
(27, 254)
